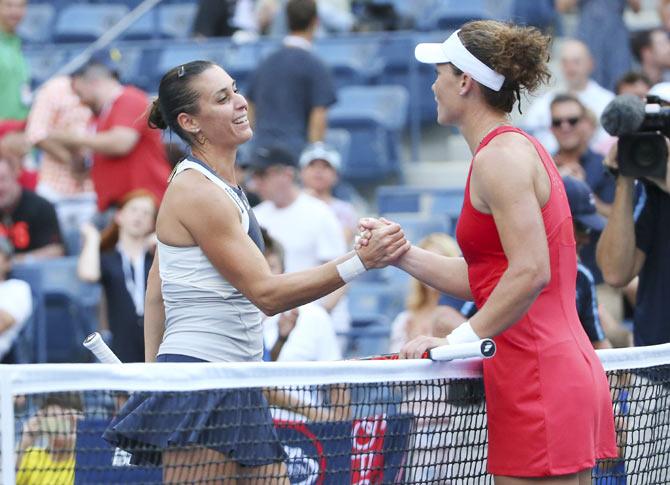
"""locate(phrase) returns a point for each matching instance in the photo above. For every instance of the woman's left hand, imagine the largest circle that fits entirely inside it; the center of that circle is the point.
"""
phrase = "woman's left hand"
(415, 348)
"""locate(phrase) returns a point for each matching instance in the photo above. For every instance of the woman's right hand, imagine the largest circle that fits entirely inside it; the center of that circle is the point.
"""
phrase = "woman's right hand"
(381, 244)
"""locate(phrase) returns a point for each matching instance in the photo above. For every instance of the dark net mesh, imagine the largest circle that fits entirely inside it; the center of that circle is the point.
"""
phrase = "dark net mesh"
(431, 431)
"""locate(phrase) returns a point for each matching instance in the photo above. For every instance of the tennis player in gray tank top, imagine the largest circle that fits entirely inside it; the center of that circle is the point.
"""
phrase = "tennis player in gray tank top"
(206, 289)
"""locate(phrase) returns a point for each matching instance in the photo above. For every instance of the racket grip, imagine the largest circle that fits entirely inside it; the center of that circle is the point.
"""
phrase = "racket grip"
(104, 354)
(485, 348)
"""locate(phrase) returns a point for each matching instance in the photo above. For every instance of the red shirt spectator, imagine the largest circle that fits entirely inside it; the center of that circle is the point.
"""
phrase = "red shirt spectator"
(145, 166)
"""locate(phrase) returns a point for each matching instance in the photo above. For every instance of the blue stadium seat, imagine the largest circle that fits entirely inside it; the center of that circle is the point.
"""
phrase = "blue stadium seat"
(404, 199)
(369, 298)
(418, 226)
(369, 335)
(340, 140)
(374, 117)
(81, 22)
(69, 307)
(451, 14)
(240, 61)
(44, 62)
(34, 333)
(132, 66)
(145, 27)
(37, 24)
(176, 21)
(173, 55)
(353, 61)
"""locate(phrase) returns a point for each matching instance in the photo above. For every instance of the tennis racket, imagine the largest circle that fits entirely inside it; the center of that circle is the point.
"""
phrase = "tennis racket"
(485, 348)
(103, 353)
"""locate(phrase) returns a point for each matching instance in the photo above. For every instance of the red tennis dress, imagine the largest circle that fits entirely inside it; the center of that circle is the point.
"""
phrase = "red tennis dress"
(548, 400)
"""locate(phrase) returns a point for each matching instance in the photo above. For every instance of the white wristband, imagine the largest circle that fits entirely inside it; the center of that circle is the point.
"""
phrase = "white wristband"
(351, 268)
(463, 334)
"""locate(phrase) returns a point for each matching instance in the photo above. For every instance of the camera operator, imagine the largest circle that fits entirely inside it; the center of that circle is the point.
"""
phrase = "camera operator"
(635, 242)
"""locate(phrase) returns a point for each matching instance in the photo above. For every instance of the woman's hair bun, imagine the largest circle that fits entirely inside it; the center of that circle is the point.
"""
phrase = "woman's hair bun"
(156, 119)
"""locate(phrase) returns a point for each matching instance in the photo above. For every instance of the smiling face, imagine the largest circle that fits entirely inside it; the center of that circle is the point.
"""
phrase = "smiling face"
(446, 89)
(568, 125)
(222, 111)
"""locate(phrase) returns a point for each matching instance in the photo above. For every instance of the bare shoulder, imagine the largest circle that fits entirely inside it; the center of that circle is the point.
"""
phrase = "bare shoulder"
(506, 165)
(190, 202)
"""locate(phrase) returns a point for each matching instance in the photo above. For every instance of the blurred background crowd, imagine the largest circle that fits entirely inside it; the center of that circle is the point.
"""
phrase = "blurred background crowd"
(344, 122)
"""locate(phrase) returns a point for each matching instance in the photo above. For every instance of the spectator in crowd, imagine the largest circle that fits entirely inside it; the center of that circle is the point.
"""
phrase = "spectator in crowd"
(16, 303)
(306, 227)
(651, 48)
(63, 176)
(635, 243)
(120, 259)
(585, 221)
(127, 154)
(302, 334)
(334, 16)
(664, 13)
(320, 165)
(610, 35)
(215, 18)
(26, 219)
(14, 77)
(576, 67)
(424, 314)
(291, 90)
(538, 13)
(570, 127)
(635, 83)
(47, 447)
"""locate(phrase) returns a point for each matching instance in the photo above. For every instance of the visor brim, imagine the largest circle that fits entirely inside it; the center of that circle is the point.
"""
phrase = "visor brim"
(430, 53)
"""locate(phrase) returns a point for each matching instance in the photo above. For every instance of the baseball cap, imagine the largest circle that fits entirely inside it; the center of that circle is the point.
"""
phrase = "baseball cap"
(266, 157)
(107, 58)
(582, 204)
(6, 246)
(321, 151)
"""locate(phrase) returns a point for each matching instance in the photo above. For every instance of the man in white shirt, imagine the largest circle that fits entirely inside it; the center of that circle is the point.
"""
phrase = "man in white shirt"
(16, 302)
(576, 66)
(305, 226)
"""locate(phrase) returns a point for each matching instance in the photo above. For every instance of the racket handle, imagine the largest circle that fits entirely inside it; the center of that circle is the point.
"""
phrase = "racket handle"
(485, 348)
(104, 354)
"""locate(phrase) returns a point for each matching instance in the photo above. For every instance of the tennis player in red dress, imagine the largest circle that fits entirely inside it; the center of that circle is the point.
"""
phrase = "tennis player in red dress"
(549, 407)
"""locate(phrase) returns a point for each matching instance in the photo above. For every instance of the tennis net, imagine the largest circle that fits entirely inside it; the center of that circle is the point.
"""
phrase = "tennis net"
(349, 422)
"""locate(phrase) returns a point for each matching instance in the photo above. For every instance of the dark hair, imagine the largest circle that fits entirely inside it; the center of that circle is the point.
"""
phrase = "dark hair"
(300, 14)
(176, 95)
(632, 77)
(641, 40)
(518, 53)
(272, 246)
(65, 400)
(567, 98)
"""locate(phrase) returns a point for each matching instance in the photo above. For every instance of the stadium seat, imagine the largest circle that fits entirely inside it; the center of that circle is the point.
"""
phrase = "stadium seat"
(418, 226)
(132, 64)
(451, 14)
(37, 24)
(353, 61)
(175, 54)
(145, 27)
(34, 333)
(69, 307)
(44, 62)
(369, 335)
(374, 117)
(404, 199)
(369, 298)
(81, 22)
(176, 21)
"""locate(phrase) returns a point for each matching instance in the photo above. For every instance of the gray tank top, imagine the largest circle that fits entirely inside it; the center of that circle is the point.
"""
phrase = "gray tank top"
(205, 316)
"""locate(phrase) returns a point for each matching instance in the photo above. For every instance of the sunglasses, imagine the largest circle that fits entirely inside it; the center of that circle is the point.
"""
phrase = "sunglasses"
(558, 122)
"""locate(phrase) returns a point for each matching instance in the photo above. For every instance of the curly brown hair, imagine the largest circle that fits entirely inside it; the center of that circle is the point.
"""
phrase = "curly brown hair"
(518, 53)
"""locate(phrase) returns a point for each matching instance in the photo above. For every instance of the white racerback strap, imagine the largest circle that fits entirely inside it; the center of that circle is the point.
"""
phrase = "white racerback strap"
(239, 203)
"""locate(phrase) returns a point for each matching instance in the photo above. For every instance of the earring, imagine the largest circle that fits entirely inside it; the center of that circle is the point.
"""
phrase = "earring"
(200, 138)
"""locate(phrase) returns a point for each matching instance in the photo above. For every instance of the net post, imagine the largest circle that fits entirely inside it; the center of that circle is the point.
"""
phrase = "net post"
(7, 426)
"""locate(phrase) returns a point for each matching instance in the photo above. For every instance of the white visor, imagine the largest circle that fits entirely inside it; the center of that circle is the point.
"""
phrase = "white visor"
(452, 50)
